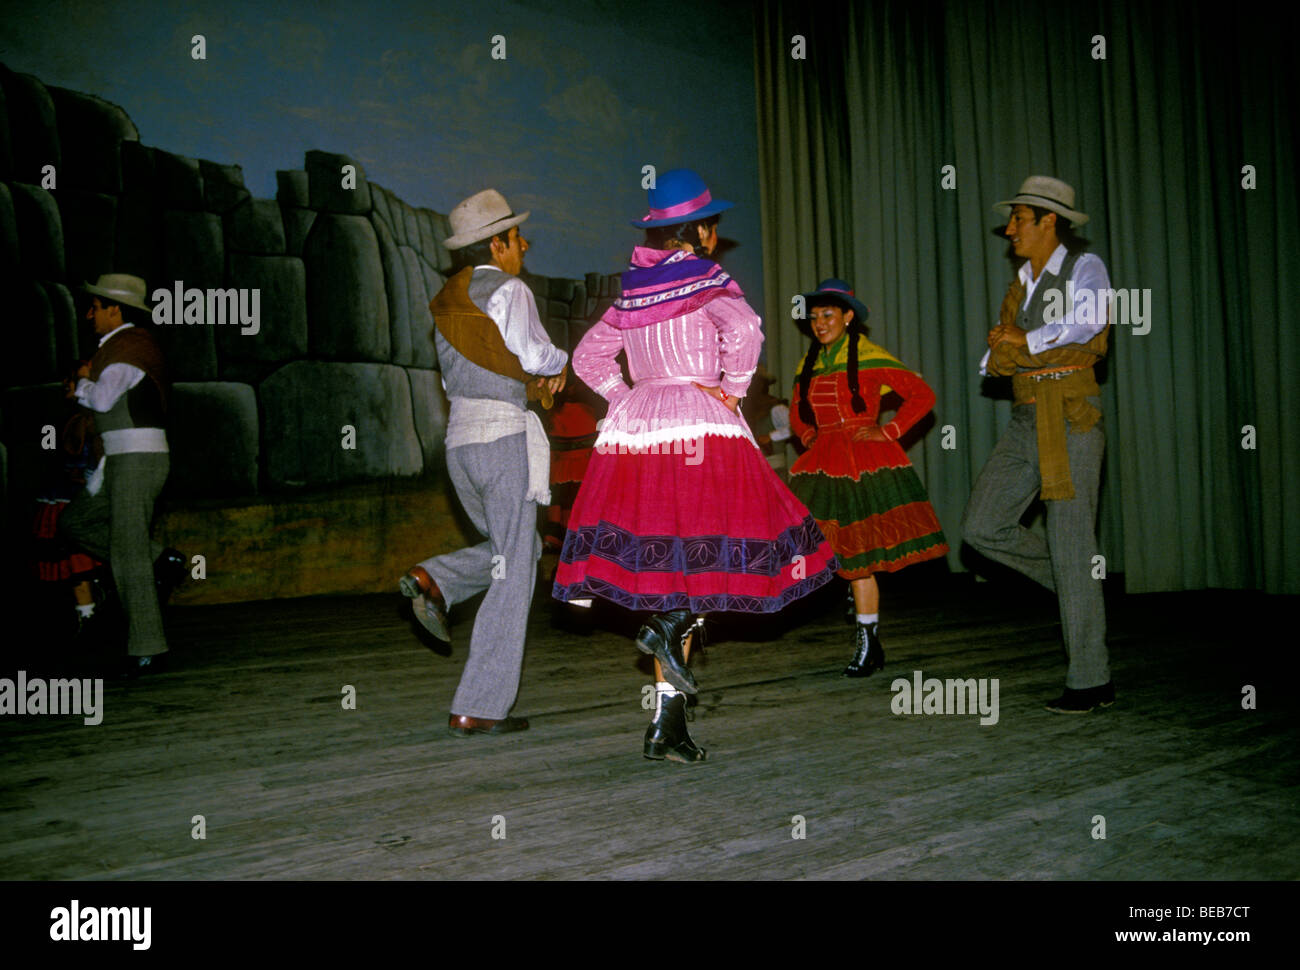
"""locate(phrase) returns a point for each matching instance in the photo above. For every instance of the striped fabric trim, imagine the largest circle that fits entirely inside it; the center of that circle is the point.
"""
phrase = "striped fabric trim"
(616, 439)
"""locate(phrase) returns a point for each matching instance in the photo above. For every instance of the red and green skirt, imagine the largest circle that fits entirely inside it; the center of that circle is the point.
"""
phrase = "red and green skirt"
(710, 529)
(869, 503)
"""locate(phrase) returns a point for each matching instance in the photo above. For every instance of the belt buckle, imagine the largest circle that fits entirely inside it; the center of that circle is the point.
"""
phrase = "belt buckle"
(1054, 376)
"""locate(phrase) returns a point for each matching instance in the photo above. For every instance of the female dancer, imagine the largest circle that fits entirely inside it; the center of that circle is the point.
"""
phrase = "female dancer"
(679, 512)
(855, 477)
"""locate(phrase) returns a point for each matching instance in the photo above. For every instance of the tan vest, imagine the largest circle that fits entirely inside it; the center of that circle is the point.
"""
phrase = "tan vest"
(476, 336)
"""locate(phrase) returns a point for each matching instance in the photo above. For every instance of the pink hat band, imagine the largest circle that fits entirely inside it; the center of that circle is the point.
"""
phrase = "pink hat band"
(681, 209)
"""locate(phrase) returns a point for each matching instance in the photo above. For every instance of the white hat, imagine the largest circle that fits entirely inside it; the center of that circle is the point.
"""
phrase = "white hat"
(1046, 193)
(479, 217)
(120, 288)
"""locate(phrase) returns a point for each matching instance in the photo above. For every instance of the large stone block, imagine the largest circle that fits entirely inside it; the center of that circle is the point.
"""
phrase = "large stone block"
(180, 181)
(441, 230)
(292, 189)
(578, 303)
(139, 169)
(561, 289)
(33, 127)
(40, 231)
(326, 176)
(557, 328)
(223, 186)
(410, 223)
(346, 301)
(89, 233)
(31, 356)
(190, 351)
(213, 437)
(91, 131)
(423, 351)
(396, 290)
(63, 319)
(194, 255)
(9, 251)
(281, 282)
(313, 410)
(139, 246)
(256, 226)
(393, 209)
(428, 239)
(194, 249)
(297, 225)
(430, 406)
(382, 209)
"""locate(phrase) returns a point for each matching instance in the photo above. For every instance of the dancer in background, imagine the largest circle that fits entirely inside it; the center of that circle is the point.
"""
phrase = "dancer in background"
(679, 513)
(855, 476)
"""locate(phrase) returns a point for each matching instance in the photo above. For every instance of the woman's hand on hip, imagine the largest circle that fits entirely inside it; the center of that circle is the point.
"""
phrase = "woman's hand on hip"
(870, 432)
(733, 403)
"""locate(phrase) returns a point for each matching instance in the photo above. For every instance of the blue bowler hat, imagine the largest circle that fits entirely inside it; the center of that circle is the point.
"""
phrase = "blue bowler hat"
(679, 196)
(834, 290)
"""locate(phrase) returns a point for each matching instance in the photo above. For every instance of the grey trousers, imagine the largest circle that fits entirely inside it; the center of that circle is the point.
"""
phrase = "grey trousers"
(1063, 562)
(491, 481)
(114, 526)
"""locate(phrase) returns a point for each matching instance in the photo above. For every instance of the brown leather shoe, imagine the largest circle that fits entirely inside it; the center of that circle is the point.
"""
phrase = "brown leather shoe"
(426, 602)
(462, 725)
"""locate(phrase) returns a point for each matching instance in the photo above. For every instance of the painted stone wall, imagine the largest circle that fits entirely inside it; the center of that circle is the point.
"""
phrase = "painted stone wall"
(344, 274)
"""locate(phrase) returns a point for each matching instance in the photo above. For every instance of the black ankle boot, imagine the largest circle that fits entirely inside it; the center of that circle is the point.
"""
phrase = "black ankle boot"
(168, 573)
(667, 737)
(869, 655)
(664, 635)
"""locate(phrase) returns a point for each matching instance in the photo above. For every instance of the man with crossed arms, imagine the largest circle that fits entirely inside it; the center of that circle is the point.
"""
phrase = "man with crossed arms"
(1054, 443)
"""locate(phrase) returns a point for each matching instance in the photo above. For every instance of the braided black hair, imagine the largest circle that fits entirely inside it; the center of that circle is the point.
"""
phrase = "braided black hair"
(855, 330)
(662, 237)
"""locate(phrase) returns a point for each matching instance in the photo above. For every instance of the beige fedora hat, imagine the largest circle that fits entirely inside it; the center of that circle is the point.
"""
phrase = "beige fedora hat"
(479, 217)
(120, 288)
(1046, 193)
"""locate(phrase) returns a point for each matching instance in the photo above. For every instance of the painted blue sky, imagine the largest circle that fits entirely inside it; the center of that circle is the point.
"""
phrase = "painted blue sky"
(563, 125)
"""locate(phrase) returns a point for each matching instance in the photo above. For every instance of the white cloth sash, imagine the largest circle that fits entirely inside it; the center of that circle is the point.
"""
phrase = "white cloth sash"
(478, 421)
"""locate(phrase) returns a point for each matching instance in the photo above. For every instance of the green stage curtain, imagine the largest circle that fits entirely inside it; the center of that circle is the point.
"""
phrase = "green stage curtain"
(855, 140)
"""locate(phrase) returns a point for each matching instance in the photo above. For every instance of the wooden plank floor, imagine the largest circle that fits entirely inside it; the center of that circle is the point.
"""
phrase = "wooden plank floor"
(248, 731)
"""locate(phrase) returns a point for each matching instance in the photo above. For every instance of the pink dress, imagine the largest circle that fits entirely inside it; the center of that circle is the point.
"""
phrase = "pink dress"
(679, 508)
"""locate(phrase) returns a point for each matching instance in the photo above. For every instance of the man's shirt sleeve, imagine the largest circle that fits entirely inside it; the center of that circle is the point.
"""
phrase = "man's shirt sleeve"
(515, 311)
(114, 381)
(1086, 317)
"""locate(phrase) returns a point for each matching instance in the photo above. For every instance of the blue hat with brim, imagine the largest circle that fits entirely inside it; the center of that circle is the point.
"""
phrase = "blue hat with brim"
(679, 196)
(834, 290)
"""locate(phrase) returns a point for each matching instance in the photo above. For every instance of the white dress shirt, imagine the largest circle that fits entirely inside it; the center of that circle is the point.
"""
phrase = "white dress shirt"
(514, 311)
(114, 381)
(1091, 286)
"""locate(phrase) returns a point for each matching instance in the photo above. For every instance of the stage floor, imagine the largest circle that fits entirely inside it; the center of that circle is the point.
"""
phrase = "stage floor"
(248, 730)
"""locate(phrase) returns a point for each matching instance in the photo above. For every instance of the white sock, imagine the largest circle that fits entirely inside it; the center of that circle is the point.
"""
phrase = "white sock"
(868, 617)
(86, 609)
(663, 689)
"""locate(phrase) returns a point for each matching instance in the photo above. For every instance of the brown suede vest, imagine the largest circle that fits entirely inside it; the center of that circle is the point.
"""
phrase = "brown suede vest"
(476, 336)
